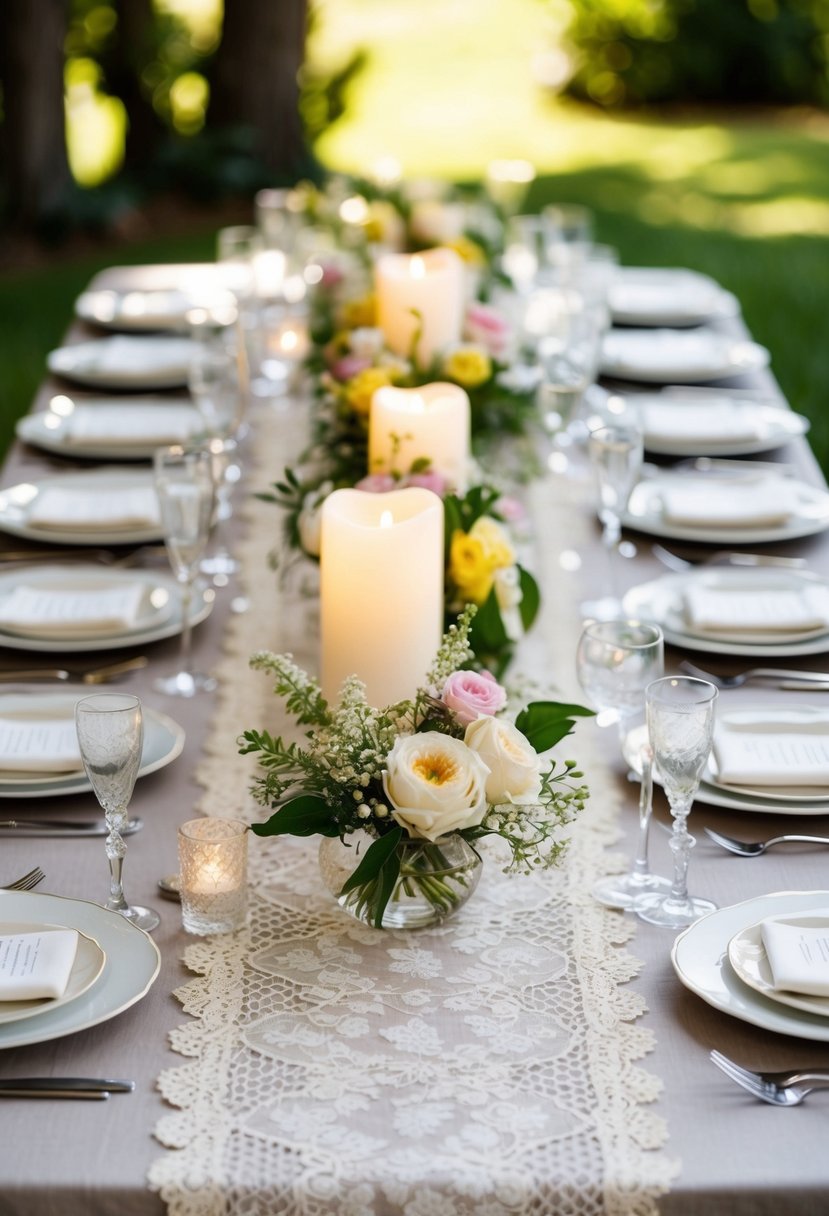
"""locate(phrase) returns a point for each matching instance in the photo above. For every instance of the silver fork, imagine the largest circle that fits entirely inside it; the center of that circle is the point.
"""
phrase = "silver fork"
(777, 1088)
(722, 557)
(26, 881)
(779, 676)
(748, 848)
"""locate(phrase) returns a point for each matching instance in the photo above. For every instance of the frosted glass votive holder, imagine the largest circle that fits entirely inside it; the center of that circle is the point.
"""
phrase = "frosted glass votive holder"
(213, 858)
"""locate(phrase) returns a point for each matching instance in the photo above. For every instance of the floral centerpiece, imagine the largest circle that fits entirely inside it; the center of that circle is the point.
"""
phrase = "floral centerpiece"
(408, 790)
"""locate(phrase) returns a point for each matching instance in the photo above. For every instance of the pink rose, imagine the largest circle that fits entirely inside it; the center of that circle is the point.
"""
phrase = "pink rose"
(488, 328)
(428, 480)
(332, 276)
(510, 509)
(349, 365)
(377, 483)
(472, 695)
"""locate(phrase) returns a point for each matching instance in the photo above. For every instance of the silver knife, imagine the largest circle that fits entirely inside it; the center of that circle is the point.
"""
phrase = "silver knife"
(63, 1087)
(63, 827)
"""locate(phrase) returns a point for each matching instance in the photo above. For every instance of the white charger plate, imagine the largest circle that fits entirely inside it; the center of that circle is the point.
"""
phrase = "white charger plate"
(748, 957)
(16, 503)
(48, 430)
(163, 743)
(775, 425)
(686, 357)
(660, 601)
(730, 798)
(700, 960)
(87, 967)
(644, 513)
(153, 362)
(132, 963)
(658, 295)
(165, 622)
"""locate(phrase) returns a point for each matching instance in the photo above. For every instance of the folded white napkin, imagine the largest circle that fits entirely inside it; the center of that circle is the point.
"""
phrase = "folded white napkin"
(130, 426)
(663, 352)
(757, 610)
(36, 965)
(677, 295)
(719, 421)
(33, 745)
(744, 502)
(59, 612)
(127, 355)
(95, 508)
(798, 954)
(768, 751)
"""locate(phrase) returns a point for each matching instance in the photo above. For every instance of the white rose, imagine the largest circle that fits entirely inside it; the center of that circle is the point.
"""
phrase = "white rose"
(366, 342)
(435, 784)
(514, 767)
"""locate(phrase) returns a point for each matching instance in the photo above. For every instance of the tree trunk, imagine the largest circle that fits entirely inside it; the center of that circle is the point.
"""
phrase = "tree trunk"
(123, 67)
(37, 173)
(255, 81)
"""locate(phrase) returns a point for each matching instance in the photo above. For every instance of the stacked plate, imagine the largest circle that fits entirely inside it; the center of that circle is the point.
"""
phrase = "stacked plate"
(106, 506)
(669, 356)
(722, 959)
(111, 429)
(125, 362)
(115, 966)
(713, 422)
(642, 295)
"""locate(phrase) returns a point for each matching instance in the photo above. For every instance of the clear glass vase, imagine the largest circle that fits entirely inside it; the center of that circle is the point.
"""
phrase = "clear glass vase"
(436, 878)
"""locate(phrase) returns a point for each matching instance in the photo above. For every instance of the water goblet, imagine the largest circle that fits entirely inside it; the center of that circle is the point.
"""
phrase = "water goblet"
(110, 732)
(615, 663)
(185, 487)
(680, 716)
(616, 453)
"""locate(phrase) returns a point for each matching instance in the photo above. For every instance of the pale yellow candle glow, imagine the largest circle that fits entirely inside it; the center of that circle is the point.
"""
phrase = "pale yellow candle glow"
(429, 423)
(381, 591)
(420, 291)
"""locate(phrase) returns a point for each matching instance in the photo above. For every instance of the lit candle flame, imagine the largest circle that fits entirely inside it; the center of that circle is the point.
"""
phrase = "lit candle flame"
(386, 519)
(418, 268)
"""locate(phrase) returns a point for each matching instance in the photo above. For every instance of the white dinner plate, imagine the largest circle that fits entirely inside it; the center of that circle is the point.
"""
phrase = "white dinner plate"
(163, 743)
(16, 503)
(124, 362)
(135, 311)
(729, 798)
(132, 962)
(810, 515)
(661, 601)
(700, 959)
(50, 429)
(161, 617)
(644, 295)
(773, 425)
(87, 967)
(667, 356)
(778, 719)
(748, 957)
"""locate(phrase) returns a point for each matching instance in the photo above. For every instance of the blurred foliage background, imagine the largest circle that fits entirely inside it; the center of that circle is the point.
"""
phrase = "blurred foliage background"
(695, 129)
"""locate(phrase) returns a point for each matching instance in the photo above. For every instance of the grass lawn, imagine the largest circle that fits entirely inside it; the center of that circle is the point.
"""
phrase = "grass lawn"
(451, 84)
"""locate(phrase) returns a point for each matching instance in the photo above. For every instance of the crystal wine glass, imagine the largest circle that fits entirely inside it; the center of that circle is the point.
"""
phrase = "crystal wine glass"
(680, 717)
(616, 452)
(110, 731)
(615, 662)
(185, 487)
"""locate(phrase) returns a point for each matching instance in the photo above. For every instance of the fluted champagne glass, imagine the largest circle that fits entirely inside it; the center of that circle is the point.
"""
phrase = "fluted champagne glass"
(110, 730)
(615, 663)
(184, 483)
(680, 715)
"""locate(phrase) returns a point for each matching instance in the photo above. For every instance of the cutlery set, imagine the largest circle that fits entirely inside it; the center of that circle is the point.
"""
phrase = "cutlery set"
(776, 1088)
(94, 675)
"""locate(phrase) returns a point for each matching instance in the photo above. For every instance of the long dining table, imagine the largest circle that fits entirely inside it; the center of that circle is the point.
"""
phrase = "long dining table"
(675, 1135)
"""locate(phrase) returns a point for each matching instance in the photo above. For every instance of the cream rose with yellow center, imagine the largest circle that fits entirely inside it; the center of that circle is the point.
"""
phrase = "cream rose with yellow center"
(435, 784)
(512, 761)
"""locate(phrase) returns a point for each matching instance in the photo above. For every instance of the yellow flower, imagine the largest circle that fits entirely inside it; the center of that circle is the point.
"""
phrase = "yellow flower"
(359, 313)
(468, 366)
(475, 556)
(360, 389)
(470, 251)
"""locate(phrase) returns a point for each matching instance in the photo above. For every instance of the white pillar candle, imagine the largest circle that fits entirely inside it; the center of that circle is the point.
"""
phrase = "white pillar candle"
(430, 284)
(381, 590)
(431, 422)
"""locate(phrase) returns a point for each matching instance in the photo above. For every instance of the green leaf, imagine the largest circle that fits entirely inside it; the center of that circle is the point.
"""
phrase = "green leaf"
(545, 723)
(376, 856)
(487, 634)
(530, 598)
(306, 815)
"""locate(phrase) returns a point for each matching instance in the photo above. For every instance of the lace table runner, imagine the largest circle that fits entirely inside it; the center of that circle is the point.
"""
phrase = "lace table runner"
(484, 1067)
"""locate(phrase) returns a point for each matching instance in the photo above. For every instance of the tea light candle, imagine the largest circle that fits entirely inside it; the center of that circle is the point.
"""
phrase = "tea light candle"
(381, 590)
(430, 284)
(213, 856)
(431, 422)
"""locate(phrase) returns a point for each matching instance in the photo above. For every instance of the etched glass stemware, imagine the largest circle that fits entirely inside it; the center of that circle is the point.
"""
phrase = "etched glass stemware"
(616, 661)
(110, 731)
(185, 486)
(680, 715)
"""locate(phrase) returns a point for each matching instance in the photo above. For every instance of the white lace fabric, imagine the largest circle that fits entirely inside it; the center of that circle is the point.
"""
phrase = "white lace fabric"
(483, 1067)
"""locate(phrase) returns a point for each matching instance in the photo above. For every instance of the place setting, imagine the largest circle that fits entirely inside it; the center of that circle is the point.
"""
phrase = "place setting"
(669, 356)
(666, 296)
(127, 362)
(110, 429)
(100, 506)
